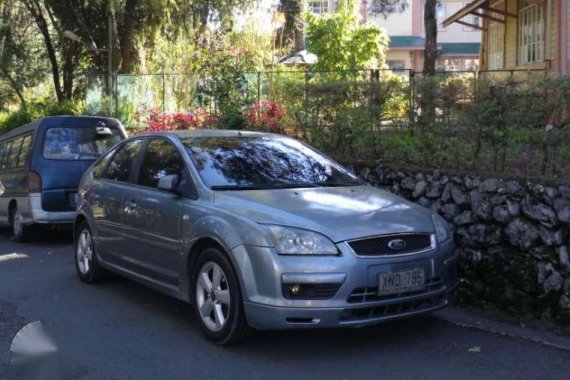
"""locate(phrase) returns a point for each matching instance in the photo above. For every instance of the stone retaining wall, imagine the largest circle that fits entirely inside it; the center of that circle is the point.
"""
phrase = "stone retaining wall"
(512, 237)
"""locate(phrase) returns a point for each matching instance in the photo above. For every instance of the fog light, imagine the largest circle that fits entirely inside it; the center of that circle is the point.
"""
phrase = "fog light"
(295, 289)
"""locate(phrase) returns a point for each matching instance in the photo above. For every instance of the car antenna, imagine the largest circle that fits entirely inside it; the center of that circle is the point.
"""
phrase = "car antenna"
(239, 133)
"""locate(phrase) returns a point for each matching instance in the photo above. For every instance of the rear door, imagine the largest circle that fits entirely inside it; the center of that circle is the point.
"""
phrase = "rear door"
(151, 217)
(107, 201)
(65, 149)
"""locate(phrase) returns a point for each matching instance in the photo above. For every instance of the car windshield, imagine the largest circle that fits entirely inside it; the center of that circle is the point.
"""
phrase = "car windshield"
(262, 162)
(79, 143)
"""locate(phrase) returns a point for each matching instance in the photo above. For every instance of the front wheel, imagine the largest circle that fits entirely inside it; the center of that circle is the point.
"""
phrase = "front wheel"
(217, 302)
(20, 231)
(86, 263)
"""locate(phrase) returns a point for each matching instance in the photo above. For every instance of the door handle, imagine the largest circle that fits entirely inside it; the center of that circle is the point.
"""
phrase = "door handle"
(130, 205)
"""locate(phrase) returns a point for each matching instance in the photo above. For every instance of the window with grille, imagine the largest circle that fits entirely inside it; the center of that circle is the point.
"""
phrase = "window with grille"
(318, 6)
(531, 34)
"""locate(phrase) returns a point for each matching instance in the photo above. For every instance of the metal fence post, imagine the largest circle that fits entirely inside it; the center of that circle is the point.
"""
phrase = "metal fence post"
(163, 93)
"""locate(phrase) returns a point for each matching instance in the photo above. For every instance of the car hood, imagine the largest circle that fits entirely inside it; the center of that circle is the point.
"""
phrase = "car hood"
(341, 213)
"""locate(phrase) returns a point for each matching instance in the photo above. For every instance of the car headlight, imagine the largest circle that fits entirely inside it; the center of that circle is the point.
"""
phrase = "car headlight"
(295, 241)
(441, 228)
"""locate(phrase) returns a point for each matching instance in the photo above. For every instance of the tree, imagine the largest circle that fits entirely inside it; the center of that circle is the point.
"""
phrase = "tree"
(21, 57)
(341, 43)
(430, 22)
(294, 21)
(428, 84)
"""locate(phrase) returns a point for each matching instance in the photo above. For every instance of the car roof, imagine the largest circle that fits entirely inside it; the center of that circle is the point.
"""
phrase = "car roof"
(210, 133)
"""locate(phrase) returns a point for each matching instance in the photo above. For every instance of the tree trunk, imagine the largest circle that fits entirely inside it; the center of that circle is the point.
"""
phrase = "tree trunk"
(293, 28)
(430, 22)
(36, 11)
(68, 55)
(16, 87)
(127, 37)
(428, 85)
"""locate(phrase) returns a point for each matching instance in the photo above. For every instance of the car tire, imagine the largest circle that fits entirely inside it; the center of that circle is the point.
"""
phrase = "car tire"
(86, 263)
(216, 299)
(20, 231)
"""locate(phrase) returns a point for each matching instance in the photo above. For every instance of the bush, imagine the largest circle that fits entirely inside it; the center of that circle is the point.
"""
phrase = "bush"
(37, 110)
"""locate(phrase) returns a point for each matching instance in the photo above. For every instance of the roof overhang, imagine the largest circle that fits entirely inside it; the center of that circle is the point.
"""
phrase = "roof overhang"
(479, 8)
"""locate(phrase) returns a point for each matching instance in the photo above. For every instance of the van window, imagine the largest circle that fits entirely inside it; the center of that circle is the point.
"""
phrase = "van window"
(25, 151)
(121, 164)
(12, 157)
(6, 155)
(79, 143)
(3, 147)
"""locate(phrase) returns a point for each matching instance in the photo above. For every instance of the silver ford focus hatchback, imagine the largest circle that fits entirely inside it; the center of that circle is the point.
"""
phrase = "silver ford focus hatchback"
(259, 231)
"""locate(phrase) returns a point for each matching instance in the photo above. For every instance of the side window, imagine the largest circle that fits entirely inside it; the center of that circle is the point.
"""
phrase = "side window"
(3, 147)
(6, 155)
(99, 168)
(25, 151)
(161, 159)
(12, 161)
(121, 164)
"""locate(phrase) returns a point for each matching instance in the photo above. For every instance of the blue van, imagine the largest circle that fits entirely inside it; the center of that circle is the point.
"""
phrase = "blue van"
(41, 164)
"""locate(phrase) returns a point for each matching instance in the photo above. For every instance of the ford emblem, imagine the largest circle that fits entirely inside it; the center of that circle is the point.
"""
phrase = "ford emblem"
(397, 244)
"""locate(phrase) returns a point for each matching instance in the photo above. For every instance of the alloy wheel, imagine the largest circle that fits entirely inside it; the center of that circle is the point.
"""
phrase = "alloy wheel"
(213, 296)
(84, 252)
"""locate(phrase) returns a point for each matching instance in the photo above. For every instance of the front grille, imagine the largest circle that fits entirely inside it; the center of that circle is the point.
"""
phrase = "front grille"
(391, 244)
(394, 309)
(366, 294)
(311, 291)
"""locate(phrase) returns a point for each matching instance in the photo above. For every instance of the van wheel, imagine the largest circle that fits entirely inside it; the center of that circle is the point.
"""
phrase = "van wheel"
(217, 301)
(86, 263)
(20, 231)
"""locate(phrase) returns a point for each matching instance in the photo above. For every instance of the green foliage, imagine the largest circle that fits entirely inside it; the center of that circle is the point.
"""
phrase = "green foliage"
(341, 43)
(46, 107)
(22, 58)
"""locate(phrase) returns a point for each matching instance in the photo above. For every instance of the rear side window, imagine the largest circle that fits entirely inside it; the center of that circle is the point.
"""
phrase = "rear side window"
(121, 164)
(3, 151)
(161, 159)
(12, 156)
(25, 151)
(79, 143)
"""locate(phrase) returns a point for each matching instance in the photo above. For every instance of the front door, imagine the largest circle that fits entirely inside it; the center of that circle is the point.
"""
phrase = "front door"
(151, 217)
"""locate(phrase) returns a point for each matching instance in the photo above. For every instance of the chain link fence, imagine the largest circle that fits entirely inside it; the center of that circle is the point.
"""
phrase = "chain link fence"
(486, 121)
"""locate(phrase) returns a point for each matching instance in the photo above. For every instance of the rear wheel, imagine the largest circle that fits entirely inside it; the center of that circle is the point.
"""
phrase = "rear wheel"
(217, 302)
(20, 231)
(86, 263)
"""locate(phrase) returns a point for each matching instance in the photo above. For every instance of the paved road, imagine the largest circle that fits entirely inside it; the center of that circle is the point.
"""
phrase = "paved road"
(120, 330)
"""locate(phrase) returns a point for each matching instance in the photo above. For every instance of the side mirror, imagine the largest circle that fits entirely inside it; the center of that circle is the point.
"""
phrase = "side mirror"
(169, 183)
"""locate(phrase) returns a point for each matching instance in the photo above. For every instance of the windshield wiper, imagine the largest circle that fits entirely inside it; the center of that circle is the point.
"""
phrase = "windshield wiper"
(264, 187)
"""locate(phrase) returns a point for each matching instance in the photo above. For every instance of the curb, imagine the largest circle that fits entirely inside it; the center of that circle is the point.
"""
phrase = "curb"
(478, 322)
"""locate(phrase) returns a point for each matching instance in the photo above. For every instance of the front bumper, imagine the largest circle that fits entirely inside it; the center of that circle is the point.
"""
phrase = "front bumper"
(354, 303)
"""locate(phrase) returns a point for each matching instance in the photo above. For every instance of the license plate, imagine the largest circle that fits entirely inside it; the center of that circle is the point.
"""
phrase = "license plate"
(401, 282)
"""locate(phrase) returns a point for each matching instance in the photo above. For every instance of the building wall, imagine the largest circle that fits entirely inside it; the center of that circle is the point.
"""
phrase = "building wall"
(552, 42)
(455, 32)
